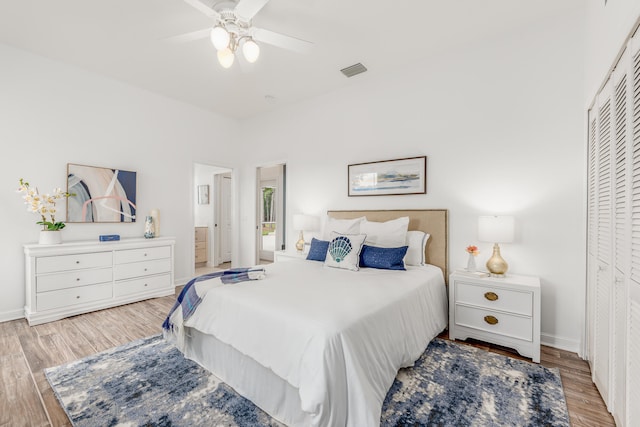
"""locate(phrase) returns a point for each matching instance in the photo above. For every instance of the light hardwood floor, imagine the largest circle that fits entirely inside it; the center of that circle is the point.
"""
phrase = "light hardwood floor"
(26, 399)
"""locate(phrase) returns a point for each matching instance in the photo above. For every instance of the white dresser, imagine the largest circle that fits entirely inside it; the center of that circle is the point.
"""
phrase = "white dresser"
(78, 277)
(503, 311)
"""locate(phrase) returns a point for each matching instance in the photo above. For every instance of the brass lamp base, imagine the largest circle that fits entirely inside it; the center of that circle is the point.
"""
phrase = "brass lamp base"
(300, 243)
(496, 265)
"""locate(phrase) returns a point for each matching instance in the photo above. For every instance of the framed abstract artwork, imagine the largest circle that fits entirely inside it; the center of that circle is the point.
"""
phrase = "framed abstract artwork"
(101, 194)
(203, 194)
(388, 177)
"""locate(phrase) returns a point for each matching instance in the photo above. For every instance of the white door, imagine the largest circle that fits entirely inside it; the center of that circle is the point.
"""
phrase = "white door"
(225, 219)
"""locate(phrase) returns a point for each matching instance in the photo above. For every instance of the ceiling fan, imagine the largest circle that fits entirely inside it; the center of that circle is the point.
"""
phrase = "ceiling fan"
(233, 29)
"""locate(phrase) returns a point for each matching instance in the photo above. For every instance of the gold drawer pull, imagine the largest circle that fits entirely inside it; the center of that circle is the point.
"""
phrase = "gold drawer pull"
(491, 320)
(491, 296)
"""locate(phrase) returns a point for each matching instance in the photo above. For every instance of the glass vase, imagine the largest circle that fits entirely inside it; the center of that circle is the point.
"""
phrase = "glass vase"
(149, 232)
(471, 263)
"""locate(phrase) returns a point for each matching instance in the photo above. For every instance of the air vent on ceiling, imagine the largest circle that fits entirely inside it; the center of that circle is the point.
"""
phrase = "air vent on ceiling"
(353, 70)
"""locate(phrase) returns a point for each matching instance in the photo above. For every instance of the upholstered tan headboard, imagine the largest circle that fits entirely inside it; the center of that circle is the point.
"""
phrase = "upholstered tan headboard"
(432, 221)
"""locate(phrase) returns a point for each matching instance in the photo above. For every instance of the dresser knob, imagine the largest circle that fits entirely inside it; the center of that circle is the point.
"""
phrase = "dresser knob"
(145, 254)
(146, 284)
(77, 262)
(145, 269)
(491, 320)
(491, 296)
(77, 279)
(78, 297)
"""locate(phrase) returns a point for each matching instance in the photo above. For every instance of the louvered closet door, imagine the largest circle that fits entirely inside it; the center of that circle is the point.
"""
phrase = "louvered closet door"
(602, 332)
(592, 235)
(621, 236)
(633, 313)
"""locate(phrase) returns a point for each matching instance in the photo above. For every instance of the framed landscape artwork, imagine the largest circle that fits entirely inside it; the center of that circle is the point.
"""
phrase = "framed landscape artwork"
(101, 194)
(388, 177)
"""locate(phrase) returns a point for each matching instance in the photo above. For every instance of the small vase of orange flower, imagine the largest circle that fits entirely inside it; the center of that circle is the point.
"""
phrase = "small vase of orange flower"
(471, 262)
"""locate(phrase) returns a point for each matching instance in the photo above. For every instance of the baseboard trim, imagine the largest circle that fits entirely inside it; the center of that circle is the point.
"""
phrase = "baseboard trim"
(560, 343)
(180, 282)
(7, 316)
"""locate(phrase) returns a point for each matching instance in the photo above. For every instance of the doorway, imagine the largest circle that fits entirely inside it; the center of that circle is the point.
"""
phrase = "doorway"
(271, 211)
(212, 218)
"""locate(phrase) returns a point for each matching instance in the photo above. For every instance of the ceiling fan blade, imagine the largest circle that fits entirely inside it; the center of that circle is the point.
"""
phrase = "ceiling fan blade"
(189, 37)
(247, 9)
(203, 8)
(281, 40)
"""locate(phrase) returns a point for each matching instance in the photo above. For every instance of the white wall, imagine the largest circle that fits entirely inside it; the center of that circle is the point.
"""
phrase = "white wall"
(501, 122)
(609, 25)
(53, 114)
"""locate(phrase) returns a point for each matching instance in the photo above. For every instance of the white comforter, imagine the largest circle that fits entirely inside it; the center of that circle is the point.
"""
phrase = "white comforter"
(338, 336)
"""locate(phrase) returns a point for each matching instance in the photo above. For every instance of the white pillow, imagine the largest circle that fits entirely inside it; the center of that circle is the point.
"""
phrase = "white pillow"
(342, 226)
(417, 242)
(389, 234)
(344, 251)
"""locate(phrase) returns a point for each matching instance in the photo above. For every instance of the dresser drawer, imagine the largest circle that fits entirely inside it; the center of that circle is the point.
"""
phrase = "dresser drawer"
(136, 255)
(127, 287)
(495, 298)
(201, 246)
(201, 256)
(73, 296)
(520, 327)
(50, 264)
(138, 269)
(201, 234)
(72, 279)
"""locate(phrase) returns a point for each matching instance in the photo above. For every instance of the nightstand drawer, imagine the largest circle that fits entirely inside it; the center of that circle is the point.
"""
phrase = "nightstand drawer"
(494, 298)
(520, 327)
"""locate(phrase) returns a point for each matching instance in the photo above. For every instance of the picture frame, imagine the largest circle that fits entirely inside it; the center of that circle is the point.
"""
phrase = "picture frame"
(203, 194)
(101, 195)
(388, 177)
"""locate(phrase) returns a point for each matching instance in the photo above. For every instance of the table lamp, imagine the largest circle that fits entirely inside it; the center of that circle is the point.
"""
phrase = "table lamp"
(302, 223)
(496, 229)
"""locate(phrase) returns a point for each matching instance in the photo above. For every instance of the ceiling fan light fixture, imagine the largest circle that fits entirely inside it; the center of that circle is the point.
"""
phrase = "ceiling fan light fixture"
(226, 57)
(220, 37)
(251, 51)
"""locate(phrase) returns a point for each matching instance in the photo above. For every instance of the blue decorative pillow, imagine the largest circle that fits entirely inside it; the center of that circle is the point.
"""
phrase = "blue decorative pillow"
(318, 250)
(385, 258)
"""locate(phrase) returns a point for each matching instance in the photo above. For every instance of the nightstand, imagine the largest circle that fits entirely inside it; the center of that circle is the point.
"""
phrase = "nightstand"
(499, 310)
(279, 256)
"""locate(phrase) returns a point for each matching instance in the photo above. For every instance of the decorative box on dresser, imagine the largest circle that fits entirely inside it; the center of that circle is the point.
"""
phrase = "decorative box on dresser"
(78, 277)
(499, 310)
(202, 245)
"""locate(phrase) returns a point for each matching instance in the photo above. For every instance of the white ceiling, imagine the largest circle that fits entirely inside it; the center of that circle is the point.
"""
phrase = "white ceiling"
(126, 40)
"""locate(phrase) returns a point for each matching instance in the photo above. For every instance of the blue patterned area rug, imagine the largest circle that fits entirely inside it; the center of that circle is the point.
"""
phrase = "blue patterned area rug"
(149, 383)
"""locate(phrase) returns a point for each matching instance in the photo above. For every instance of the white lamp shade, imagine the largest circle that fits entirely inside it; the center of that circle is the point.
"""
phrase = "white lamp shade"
(251, 51)
(226, 57)
(305, 222)
(496, 229)
(220, 38)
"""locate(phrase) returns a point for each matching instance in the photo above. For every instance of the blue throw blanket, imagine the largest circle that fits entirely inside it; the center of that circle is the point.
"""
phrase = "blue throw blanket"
(191, 296)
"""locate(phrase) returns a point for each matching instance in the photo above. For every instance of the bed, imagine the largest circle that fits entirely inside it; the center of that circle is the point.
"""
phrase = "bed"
(319, 346)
